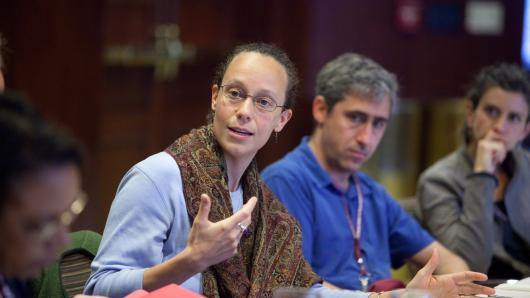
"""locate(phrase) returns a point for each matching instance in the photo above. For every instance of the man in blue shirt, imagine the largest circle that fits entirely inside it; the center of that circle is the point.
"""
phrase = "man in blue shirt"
(352, 230)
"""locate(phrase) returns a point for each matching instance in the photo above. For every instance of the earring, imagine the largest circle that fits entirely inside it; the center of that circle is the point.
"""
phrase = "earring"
(275, 137)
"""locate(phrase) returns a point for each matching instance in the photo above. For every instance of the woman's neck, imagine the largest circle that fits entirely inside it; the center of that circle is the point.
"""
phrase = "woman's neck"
(235, 167)
(503, 179)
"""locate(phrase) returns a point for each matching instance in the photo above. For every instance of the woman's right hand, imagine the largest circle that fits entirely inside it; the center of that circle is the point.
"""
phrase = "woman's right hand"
(491, 152)
(211, 243)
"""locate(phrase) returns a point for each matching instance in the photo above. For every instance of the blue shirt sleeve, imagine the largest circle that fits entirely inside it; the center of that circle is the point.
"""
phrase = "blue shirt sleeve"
(290, 192)
(407, 237)
(133, 238)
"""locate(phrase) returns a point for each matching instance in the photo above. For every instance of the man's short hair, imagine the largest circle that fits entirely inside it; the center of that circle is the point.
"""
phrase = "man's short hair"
(509, 77)
(352, 73)
(268, 50)
(29, 144)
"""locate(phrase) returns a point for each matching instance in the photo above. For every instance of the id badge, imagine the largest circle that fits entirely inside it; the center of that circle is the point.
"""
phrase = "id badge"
(365, 281)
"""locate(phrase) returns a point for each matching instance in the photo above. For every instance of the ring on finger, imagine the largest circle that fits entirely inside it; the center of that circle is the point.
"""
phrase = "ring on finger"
(242, 227)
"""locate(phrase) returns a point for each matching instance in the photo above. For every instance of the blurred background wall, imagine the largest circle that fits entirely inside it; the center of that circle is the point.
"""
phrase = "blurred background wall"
(129, 76)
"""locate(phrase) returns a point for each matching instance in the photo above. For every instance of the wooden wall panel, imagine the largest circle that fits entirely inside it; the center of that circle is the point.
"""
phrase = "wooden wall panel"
(123, 114)
(429, 64)
(54, 58)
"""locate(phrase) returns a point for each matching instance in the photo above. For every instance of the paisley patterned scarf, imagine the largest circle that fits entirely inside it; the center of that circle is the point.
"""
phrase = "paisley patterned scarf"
(270, 256)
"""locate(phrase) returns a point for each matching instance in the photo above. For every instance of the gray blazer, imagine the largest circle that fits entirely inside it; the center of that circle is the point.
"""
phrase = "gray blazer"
(457, 207)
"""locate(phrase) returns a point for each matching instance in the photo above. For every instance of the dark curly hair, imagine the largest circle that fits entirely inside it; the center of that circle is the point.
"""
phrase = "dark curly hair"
(509, 77)
(29, 144)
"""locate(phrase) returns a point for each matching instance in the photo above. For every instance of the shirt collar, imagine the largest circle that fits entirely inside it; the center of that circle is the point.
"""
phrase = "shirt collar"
(321, 177)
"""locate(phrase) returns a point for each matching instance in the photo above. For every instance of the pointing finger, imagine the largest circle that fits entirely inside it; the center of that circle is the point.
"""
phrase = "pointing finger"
(204, 208)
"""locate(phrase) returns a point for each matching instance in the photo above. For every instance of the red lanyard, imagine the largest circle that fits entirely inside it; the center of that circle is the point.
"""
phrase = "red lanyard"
(356, 231)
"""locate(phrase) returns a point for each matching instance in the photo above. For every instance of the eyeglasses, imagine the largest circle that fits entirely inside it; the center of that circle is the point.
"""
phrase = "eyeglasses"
(237, 95)
(45, 231)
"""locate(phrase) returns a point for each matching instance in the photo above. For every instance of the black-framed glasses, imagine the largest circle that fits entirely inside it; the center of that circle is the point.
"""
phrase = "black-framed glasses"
(237, 95)
(45, 231)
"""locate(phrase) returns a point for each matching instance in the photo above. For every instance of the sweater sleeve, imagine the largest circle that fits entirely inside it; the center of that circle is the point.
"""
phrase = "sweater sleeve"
(459, 212)
(137, 226)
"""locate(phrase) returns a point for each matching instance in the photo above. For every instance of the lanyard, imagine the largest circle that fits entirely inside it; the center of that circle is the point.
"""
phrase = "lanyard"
(356, 231)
